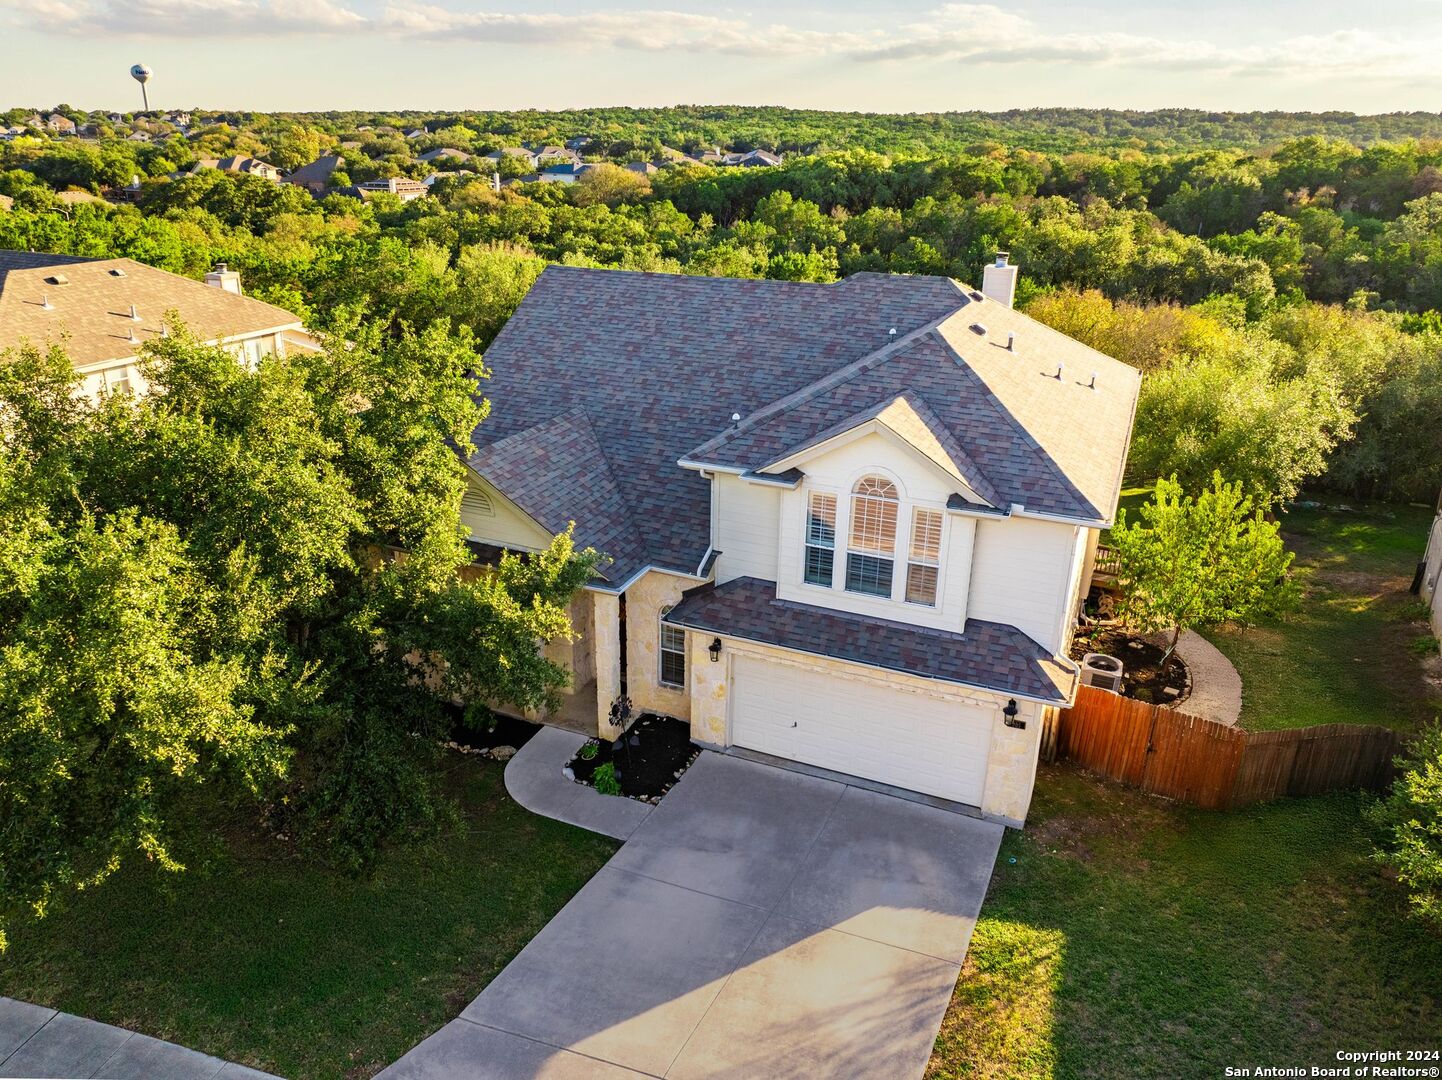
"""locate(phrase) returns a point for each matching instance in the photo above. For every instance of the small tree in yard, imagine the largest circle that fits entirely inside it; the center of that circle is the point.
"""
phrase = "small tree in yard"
(1199, 562)
(1410, 819)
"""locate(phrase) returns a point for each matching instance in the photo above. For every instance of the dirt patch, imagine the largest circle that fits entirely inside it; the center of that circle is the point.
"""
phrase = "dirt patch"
(504, 731)
(1141, 659)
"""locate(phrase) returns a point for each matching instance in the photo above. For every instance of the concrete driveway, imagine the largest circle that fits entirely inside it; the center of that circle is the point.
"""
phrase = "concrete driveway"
(759, 923)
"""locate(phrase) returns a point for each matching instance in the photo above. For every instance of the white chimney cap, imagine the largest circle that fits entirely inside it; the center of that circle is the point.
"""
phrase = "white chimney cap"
(1002, 257)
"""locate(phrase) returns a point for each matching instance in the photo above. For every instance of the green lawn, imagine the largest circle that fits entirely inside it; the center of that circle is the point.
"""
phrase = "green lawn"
(1352, 653)
(265, 958)
(1126, 937)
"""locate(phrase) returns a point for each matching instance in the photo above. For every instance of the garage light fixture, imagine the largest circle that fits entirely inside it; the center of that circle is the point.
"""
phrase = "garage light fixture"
(1008, 715)
(715, 650)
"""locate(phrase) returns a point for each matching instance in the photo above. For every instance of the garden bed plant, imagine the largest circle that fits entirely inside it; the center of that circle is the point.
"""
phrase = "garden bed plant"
(642, 764)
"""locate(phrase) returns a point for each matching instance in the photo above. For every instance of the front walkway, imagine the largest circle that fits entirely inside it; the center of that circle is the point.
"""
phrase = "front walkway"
(36, 1041)
(758, 923)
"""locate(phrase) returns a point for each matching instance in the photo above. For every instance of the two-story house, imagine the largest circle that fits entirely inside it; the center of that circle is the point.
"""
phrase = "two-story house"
(846, 525)
(101, 311)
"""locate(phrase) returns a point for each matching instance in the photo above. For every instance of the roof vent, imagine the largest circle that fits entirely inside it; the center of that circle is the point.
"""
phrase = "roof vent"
(891, 333)
(45, 304)
(115, 271)
(133, 339)
(57, 279)
(1093, 384)
(979, 328)
(1011, 343)
(976, 295)
(1058, 373)
(736, 419)
(134, 315)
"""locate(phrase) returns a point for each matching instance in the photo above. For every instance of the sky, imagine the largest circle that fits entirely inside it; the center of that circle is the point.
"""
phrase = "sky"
(871, 55)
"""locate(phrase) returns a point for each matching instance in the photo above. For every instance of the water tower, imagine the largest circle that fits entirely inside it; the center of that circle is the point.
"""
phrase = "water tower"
(141, 74)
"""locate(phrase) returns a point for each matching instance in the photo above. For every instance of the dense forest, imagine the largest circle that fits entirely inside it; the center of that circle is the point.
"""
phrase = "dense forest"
(1278, 276)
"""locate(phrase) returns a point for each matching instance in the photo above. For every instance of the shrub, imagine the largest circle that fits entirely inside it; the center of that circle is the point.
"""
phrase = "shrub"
(604, 779)
(1410, 820)
(589, 750)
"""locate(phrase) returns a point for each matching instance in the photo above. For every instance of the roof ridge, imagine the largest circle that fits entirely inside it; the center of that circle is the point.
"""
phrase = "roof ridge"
(827, 382)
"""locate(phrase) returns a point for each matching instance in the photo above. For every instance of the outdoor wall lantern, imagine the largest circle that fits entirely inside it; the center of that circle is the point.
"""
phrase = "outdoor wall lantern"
(715, 651)
(1009, 715)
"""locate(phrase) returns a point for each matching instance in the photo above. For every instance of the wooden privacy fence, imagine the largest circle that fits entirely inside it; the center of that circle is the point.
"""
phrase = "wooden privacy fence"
(1200, 761)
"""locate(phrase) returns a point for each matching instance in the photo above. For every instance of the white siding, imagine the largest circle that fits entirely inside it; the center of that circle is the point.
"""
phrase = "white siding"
(505, 525)
(919, 483)
(1023, 574)
(744, 528)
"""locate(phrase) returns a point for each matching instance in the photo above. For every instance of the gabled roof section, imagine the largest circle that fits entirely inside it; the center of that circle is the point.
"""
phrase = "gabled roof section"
(908, 417)
(556, 472)
(982, 392)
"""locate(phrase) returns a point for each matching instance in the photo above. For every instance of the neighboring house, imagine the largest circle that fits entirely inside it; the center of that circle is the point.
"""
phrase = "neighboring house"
(417, 133)
(710, 157)
(6, 202)
(578, 142)
(444, 153)
(557, 155)
(102, 310)
(645, 168)
(76, 198)
(1429, 580)
(403, 187)
(750, 159)
(847, 525)
(317, 177)
(238, 164)
(566, 173)
(139, 136)
(60, 124)
(515, 152)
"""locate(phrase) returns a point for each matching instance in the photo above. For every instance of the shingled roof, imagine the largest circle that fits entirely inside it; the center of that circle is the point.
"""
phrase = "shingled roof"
(988, 656)
(658, 363)
(89, 306)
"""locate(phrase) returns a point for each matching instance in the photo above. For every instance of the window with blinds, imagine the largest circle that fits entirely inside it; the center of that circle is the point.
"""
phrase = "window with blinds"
(871, 546)
(924, 557)
(820, 538)
(672, 653)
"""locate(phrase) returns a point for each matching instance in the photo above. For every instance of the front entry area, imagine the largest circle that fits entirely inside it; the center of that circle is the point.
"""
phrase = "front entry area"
(873, 730)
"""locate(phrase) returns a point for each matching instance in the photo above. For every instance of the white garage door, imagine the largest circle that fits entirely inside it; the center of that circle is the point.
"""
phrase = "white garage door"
(864, 729)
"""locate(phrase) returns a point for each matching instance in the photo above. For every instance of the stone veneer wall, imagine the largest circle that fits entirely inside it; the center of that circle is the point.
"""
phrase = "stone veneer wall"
(644, 601)
(1011, 768)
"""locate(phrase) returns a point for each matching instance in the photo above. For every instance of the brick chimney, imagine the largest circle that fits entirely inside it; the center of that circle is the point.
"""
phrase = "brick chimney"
(224, 278)
(998, 281)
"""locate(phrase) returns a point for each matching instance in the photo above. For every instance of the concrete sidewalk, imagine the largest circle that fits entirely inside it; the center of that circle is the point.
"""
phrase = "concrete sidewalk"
(40, 1042)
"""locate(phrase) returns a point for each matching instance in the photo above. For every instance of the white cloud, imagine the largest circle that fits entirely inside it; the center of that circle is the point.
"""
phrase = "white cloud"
(956, 32)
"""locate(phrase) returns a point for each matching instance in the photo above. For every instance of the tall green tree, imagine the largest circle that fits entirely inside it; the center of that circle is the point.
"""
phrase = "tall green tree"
(244, 585)
(1193, 562)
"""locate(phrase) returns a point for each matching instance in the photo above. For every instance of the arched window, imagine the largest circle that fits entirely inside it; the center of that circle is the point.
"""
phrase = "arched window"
(871, 547)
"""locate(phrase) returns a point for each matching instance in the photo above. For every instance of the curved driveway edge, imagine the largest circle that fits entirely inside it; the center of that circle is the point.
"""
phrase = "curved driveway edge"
(535, 780)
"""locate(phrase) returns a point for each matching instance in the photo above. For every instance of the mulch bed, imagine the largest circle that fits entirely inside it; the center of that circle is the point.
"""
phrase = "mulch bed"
(657, 750)
(508, 732)
(1141, 664)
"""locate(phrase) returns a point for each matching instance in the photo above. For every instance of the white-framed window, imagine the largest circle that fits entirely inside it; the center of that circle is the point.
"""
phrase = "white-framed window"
(672, 653)
(871, 547)
(820, 539)
(923, 560)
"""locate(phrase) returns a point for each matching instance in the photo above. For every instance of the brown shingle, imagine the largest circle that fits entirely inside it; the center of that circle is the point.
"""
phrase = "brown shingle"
(93, 306)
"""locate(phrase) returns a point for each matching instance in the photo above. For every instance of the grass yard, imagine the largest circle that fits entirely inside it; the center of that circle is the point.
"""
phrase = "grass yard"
(1354, 652)
(1132, 938)
(272, 961)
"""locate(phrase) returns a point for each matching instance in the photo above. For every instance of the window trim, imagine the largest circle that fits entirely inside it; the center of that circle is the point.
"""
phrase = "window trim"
(663, 650)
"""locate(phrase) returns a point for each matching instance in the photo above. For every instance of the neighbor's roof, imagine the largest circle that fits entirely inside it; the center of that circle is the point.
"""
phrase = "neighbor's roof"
(318, 171)
(988, 656)
(444, 152)
(90, 301)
